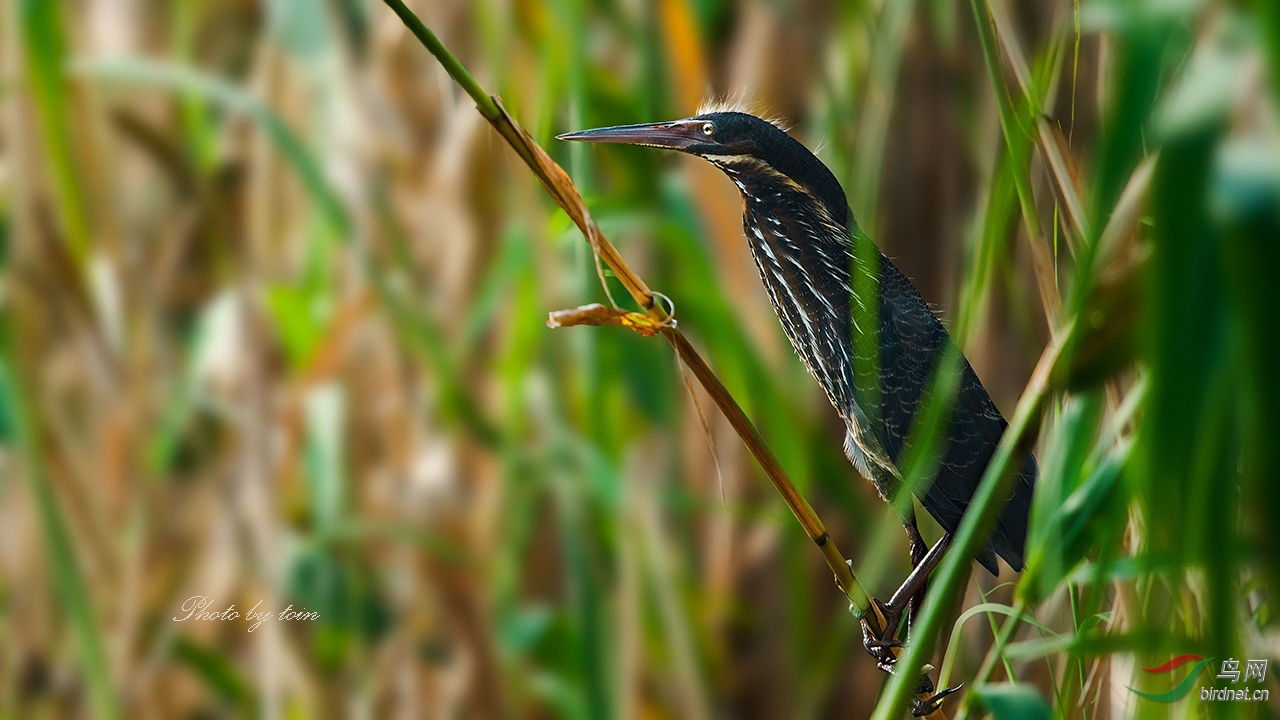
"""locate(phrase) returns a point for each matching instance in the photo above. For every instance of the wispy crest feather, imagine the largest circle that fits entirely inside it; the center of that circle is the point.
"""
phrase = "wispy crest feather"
(739, 102)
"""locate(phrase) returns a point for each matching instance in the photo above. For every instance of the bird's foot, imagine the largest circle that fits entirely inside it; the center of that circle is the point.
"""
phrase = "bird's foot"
(882, 651)
(882, 647)
(923, 708)
(885, 647)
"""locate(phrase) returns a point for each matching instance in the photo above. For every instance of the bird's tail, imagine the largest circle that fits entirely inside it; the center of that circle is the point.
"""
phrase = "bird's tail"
(1009, 539)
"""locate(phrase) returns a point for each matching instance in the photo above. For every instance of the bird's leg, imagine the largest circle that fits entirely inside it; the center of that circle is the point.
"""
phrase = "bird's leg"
(881, 648)
(912, 589)
(919, 549)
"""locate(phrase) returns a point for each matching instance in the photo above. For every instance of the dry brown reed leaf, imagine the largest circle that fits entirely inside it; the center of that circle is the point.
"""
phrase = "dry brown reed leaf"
(599, 315)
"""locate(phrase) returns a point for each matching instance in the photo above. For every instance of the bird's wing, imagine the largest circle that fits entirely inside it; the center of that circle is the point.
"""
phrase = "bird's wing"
(911, 340)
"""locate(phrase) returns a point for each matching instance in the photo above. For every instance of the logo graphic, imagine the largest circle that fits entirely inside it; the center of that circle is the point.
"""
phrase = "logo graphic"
(1183, 688)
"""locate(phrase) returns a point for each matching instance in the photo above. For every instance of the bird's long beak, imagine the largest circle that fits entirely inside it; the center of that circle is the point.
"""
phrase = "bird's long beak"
(675, 135)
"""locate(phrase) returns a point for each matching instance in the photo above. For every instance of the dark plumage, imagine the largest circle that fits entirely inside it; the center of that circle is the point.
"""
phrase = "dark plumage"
(802, 237)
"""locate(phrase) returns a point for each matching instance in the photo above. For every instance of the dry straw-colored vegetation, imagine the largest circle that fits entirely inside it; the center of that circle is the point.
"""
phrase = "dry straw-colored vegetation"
(273, 308)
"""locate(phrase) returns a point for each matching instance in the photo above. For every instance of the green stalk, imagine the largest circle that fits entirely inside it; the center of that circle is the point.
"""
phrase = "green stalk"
(456, 70)
(949, 579)
(73, 594)
(44, 56)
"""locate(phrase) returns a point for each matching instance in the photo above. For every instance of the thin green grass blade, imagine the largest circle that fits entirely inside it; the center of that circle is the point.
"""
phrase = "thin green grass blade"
(325, 457)
(71, 590)
(218, 673)
(1268, 13)
(223, 93)
(45, 56)
(944, 676)
(1012, 702)
(877, 110)
(1246, 200)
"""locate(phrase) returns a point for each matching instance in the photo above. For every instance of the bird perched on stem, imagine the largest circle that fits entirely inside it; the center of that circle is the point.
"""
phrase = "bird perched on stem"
(858, 325)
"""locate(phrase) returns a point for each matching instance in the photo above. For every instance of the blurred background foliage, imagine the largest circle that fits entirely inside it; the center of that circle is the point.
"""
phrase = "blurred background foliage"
(272, 306)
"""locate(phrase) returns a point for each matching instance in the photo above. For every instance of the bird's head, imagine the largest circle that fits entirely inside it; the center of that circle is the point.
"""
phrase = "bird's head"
(711, 135)
(743, 145)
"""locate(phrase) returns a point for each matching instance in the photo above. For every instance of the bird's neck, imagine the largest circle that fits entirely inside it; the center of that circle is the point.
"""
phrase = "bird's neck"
(804, 257)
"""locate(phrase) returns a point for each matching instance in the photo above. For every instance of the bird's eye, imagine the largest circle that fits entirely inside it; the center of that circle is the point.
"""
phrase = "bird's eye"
(708, 129)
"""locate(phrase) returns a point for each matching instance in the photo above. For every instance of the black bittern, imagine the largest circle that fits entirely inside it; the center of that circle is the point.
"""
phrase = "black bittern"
(873, 367)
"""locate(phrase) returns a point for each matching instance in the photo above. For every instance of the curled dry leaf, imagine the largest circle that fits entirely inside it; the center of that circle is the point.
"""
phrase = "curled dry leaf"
(599, 315)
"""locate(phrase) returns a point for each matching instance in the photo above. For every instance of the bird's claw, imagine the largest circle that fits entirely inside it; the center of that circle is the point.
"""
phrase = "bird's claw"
(922, 708)
(882, 652)
(881, 648)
